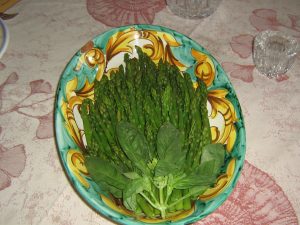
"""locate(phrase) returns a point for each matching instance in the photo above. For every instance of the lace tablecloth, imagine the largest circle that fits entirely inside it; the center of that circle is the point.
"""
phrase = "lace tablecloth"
(45, 35)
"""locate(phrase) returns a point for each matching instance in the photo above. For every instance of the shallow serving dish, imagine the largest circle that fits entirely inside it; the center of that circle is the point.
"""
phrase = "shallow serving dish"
(104, 54)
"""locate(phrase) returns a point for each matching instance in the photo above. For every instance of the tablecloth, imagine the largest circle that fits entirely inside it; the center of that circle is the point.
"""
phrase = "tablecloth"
(45, 35)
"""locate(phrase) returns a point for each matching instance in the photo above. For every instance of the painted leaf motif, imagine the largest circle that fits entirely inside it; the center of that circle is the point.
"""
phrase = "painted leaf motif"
(12, 78)
(40, 86)
(69, 108)
(221, 105)
(241, 72)
(205, 68)
(242, 45)
(158, 46)
(264, 19)
(5, 180)
(75, 162)
(71, 125)
(45, 128)
(92, 57)
(12, 164)
(12, 160)
(36, 105)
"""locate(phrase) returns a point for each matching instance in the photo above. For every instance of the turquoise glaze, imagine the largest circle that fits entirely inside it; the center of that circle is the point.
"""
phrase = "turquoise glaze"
(65, 141)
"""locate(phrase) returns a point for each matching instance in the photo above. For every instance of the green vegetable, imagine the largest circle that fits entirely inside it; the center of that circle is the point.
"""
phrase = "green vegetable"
(134, 145)
(104, 171)
(148, 138)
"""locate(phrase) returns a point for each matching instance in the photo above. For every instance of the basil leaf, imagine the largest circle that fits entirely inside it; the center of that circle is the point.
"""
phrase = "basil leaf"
(169, 141)
(133, 188)
(137, 186)
(103, 171)
(130, 202)
(132, 175)
(110, 189)
(201, 176)
(134, 144)
(169, 149)
(196, 191)
(214, 152)
(163, 168)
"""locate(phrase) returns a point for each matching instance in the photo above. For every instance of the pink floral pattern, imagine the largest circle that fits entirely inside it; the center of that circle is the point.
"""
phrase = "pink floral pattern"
(266, 19)
(12, 163)
(257, 199)
(242, 45)
(40, 86)
(13, 160)
(242, 72)
(295, 22)
(45, 128)
(263, 19)
(118, 13)
(30, 105)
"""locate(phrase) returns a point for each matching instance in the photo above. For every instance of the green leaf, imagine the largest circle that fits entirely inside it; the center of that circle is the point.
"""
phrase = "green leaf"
(194, 180)
(137, 186)
(196, 191)
(214, 152)
(200, 176)
(134, 144)
(133, 188)
(103, 171)
(131, 203)
(169, 148)
(163, 168)
(132, 175)
(205, 174)
(110, 189)
(169, 141)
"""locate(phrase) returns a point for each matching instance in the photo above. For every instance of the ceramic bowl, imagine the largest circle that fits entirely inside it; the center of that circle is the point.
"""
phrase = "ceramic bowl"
(104, 54)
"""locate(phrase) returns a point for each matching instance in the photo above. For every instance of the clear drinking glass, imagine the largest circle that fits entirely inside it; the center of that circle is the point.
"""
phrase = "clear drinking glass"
(193, 9)
(274, 52)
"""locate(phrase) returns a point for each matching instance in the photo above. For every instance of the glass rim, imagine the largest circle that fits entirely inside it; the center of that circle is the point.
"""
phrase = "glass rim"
(262, 38)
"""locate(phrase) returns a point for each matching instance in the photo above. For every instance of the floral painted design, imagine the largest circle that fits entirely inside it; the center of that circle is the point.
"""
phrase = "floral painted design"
(242, 72)
(29, 105)
(257, 199)
(266, 19)
(118, 13)
(12, 163)
(242, 45)
(260, 19)
(263, 19)
(13, 160)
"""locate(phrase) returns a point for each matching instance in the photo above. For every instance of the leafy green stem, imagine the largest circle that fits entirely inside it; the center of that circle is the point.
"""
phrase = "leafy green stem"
(149, 200)
(180, 199)
(161, 196)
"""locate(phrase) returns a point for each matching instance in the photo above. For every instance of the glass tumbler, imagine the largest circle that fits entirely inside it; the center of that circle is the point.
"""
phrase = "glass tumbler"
(274, 52)
(193, 9)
